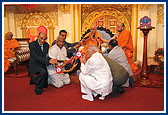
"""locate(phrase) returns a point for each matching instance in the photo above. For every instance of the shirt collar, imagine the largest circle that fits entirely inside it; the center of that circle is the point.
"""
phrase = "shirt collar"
(40, 44)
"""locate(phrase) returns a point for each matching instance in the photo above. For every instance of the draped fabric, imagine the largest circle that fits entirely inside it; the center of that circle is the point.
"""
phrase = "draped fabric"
(9, 46)
(125, 39)
(97, 40)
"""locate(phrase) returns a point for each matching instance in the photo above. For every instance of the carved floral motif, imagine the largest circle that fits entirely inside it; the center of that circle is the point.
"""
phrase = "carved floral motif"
(41, 10)
(91, 12)
(160, 14)
(126, 9)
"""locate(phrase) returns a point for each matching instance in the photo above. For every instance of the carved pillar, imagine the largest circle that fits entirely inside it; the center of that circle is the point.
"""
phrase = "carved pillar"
(51, 35)
(144, 80)
(24, 35)
(134, 24)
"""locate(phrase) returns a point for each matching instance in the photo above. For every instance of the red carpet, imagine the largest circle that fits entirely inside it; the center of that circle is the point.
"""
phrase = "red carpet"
(22, 71)
(157, 81)
(20, 96)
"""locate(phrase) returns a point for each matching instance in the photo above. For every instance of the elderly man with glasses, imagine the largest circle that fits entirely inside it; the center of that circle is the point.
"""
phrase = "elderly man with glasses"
(38, 63)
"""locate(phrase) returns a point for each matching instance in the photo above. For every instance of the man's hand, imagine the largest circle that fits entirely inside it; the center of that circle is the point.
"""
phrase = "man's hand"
(64, 63)
(53, 61)
(77, 45)
(115, 36)
(82, 59)
(123, 47)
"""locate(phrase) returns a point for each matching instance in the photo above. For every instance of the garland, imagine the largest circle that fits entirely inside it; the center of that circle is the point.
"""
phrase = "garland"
(73, 61)
(160, 68)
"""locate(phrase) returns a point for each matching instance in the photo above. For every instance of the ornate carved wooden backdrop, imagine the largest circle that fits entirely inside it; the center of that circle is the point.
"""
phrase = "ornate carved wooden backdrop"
(46, 15)
(105, 15)
(106, 21)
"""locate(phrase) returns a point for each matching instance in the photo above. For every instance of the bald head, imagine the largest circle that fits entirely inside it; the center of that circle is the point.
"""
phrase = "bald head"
(9, 35)
(42, 38)
(91, 49)
(60, 41)
(93, 29)
(120, 26)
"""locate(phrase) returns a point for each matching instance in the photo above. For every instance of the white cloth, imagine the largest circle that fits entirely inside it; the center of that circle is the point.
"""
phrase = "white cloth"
(95, 76)
(58, 80)
(118, 55)
(57, 53)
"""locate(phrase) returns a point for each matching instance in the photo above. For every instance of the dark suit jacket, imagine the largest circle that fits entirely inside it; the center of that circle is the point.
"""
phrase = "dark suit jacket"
(38, 58)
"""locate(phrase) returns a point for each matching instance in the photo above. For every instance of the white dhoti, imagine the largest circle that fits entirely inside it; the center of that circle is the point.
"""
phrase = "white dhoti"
(58, 80)
(89, 84)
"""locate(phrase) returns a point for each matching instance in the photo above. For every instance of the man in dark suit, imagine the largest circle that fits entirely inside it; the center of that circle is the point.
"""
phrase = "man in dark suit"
(38, 62)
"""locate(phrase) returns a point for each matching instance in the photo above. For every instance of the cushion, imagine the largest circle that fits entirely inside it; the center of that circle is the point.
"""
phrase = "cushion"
(11, 60)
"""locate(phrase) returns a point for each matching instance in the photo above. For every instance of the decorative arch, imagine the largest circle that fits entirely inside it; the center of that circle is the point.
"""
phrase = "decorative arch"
(36, 19)
(111, 12)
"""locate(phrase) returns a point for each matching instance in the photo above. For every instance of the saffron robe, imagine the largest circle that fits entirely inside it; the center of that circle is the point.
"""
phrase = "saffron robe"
(8, 53)
(97, 40)
(125, 39)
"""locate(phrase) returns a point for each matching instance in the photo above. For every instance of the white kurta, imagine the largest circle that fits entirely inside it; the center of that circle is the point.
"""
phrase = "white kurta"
(96, 76)
(58, 80)
(118, 55)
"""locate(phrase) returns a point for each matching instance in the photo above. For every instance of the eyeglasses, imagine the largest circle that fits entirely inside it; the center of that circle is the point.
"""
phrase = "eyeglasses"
(63, 35)
(43, 39)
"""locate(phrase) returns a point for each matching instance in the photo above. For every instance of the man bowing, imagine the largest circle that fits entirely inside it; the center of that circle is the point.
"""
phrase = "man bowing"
(95, 76)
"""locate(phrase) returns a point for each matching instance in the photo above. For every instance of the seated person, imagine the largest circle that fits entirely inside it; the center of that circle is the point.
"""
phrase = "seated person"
(118, 55)
(58, 52)
(69, 46)
(93, 37)
(95, 76)
(10, 46)
(38, 63)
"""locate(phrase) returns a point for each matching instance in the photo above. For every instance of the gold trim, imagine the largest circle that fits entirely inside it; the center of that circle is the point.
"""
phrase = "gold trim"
(15, 26)
(101, 12)
(134, 25)
(51, 35)
(8, 21)
(43, 15)
(79, 22)
(74, 36)
(158, 56)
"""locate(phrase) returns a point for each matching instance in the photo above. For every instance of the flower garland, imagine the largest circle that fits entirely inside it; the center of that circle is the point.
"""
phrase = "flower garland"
(160, 68)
